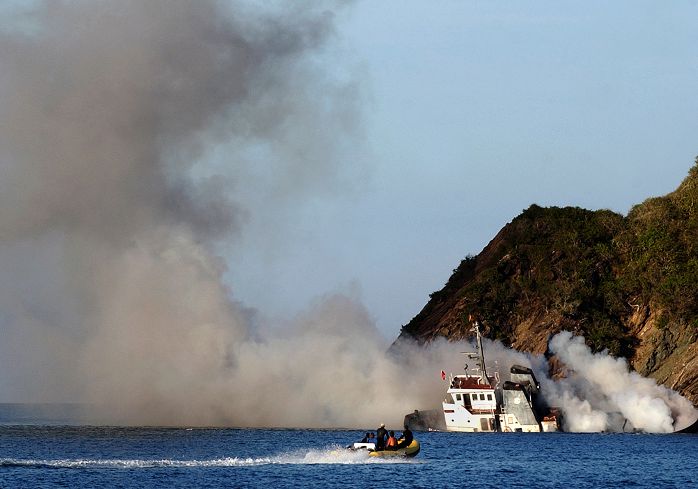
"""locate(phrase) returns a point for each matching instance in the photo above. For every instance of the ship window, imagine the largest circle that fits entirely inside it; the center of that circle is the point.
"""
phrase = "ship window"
(474, 397)
(457, 397)
(489, 397)
(482, 397)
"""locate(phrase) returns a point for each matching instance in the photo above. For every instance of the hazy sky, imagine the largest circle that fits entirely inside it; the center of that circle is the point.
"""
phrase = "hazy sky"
(468, 112)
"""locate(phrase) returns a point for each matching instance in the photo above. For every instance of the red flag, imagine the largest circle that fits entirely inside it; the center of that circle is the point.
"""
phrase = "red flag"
(443, 375)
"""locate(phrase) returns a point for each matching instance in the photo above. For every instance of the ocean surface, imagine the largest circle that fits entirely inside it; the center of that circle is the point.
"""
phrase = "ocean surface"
(38, 453)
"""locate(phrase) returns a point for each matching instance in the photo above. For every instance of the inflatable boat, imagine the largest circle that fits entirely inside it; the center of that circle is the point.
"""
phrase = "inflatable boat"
(409, 451)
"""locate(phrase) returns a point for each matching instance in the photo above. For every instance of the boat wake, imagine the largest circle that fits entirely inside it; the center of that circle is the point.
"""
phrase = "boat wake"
(335, 455)
(131, 463)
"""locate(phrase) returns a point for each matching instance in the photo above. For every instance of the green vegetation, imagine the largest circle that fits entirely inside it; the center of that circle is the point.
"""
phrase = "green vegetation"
(661, 251)
(555, 259)
(588, 270)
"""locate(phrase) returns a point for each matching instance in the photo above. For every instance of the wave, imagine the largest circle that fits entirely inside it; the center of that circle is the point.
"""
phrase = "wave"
(299, 457)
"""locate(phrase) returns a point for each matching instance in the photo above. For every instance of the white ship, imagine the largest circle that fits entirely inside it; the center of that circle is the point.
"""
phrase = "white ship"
(476, 401)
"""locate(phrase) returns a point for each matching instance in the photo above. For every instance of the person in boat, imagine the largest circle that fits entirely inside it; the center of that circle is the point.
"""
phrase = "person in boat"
(368, 438)
(381, 435)
(406, 438)
(391, 444)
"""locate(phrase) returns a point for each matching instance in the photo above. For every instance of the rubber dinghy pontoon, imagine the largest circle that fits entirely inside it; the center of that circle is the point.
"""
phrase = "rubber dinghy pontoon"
(410, 450)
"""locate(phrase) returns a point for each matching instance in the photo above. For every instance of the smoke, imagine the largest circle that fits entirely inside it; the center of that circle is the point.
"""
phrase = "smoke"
(131, 135)
(602, 394)
(112, 293)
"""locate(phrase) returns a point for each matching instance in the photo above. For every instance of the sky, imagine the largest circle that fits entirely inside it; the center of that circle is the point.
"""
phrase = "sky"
(467, 113)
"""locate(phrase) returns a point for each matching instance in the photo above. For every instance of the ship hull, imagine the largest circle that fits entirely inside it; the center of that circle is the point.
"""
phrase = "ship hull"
(693, 428)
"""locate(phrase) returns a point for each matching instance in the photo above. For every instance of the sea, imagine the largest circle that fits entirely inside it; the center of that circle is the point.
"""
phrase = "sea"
(40, 451)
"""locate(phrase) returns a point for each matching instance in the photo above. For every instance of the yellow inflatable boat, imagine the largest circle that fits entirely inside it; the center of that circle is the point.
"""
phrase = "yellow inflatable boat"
(409, 451)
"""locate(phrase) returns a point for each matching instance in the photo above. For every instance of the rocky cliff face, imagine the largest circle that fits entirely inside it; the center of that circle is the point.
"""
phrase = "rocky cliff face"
(628, 284)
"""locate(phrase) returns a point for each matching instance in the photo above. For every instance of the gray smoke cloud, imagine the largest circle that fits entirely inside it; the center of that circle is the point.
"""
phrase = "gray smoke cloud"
(130, 132)
(111, 291)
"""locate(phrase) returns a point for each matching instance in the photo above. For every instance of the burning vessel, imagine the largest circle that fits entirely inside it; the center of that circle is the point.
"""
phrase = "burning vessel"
(479, 402)
(476, 401)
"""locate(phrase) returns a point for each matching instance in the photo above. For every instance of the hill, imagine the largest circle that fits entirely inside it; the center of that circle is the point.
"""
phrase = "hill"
(628, 284)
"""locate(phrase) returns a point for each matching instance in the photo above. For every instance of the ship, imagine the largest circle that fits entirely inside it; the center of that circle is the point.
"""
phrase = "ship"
(479, 402)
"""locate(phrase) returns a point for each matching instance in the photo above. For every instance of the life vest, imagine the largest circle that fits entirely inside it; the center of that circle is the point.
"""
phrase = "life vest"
(392, 442)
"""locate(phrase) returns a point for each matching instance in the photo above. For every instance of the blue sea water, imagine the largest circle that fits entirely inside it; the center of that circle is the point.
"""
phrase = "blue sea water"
(42, 456)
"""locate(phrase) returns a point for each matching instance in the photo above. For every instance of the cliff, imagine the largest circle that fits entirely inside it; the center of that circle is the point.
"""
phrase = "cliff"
(628, 284)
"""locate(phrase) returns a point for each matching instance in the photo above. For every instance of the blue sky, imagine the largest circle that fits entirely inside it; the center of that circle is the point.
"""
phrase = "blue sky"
(470, 111)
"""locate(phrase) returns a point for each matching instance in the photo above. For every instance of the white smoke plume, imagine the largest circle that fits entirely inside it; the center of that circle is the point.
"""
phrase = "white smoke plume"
(601, 393)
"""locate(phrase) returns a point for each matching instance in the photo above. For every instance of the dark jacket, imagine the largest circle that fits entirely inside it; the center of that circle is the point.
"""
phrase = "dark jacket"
(381, 435)
(407, 438)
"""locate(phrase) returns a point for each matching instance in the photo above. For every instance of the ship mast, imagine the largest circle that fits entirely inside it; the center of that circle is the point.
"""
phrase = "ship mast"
(481, 351)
